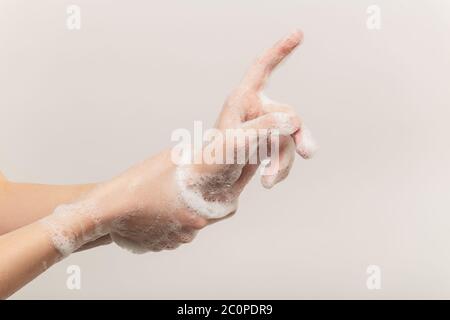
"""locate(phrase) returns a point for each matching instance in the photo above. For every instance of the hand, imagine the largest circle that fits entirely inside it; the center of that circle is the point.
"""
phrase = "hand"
(158, 205)
(212, 190)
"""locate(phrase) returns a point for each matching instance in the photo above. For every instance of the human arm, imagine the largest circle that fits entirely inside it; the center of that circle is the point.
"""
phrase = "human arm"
(157, 204)
(25, 203)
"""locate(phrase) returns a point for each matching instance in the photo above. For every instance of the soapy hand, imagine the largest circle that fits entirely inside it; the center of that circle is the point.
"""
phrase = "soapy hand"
(212, 190)
(158, 204)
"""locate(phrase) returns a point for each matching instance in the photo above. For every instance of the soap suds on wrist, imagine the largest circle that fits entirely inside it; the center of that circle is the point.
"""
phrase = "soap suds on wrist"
(72, 225)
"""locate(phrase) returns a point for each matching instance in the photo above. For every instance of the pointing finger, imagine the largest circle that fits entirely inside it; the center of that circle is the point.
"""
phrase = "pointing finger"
(263, 67)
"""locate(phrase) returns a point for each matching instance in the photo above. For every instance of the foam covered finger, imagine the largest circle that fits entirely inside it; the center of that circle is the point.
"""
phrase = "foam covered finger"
(306, 146)
(284, 163)
(305, 143)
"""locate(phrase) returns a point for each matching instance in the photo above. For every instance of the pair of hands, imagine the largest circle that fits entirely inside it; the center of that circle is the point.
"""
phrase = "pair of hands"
(149, 208)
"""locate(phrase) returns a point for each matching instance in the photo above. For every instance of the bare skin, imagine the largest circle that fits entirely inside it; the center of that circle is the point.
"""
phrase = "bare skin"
(140, 208)
(24, 203)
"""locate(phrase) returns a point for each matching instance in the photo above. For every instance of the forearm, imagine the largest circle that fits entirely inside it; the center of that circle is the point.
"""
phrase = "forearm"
(25, 253)
(30, 250)
(24, 203)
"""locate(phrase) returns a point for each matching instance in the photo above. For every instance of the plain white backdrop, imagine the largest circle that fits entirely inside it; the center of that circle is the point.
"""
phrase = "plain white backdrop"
(82, 106)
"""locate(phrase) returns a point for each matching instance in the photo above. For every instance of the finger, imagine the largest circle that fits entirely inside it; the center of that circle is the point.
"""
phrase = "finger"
(287, 145)
(247, 173)
(285, 161)
(98, 242)
(273, 131)
(215, 220)
(305, 144)
(270, 105)
(284, 123)
(241, 144)
(262, 68)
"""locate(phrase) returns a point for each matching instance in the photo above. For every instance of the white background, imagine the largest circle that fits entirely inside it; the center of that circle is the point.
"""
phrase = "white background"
(82, 106)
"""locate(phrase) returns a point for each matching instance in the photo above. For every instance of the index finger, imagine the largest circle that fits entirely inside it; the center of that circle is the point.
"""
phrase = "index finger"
(263, 67)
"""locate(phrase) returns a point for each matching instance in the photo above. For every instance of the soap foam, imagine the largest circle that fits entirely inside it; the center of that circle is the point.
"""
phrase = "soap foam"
(194, 199)
(159, 234)
(64, 218)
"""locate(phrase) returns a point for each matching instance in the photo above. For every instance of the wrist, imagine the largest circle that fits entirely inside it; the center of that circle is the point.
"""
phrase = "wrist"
(71, 226)
(146, 187)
